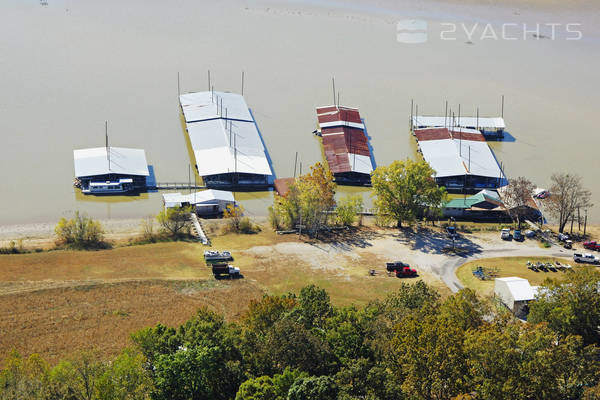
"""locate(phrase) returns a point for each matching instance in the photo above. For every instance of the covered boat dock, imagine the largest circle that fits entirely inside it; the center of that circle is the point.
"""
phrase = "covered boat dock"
(461, 158)
(110, 170)
(227, 146)
(345, 144)
(489, 126)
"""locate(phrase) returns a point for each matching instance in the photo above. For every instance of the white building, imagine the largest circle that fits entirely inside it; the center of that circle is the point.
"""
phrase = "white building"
(515, 293)
(207, 202)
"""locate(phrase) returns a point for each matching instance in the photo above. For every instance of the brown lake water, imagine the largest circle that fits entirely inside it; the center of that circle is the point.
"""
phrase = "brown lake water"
(68, 66)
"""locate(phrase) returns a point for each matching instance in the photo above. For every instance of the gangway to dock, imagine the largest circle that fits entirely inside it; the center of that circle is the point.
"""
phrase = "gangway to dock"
(175, 186)
(197, 226)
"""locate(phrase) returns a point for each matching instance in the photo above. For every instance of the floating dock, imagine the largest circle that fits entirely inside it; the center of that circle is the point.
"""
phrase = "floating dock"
(461, 158)
(110, 170)
(345, 144)
(492, 127)
(227, 146)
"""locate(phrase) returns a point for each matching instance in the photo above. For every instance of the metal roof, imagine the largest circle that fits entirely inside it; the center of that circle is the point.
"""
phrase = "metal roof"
(519, 288)
(94, 161)
(205, 196)
(344, 141)
(330, 116)
(485, 195)
(453, 156)
(223, 145)
(202, 106)
(422, 121)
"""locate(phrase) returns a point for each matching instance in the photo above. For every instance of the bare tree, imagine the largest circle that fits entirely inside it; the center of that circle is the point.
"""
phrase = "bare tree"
(517, 197)
(566, 195)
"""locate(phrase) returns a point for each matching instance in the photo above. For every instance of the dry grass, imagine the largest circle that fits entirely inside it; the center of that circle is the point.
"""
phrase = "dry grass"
(507, 266)
(58, 302)
(55, 323)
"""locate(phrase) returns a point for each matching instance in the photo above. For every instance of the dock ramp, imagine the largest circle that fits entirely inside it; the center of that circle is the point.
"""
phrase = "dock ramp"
(198, 231)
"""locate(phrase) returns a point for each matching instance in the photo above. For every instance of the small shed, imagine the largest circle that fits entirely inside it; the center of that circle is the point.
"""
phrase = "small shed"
(208, 202)
(515, 293)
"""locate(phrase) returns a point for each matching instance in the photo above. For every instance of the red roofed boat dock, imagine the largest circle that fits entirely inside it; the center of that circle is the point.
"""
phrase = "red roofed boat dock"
(345, 145)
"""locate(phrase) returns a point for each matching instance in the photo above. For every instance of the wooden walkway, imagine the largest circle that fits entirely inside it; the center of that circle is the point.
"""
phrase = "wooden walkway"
(197, 227)
(176, 186)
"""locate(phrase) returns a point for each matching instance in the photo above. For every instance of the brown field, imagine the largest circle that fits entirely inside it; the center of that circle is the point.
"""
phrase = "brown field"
(58, 302)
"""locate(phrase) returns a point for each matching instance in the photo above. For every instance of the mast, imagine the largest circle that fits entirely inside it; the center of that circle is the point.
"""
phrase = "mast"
(242, 83)
(333, 84)
(107, 147)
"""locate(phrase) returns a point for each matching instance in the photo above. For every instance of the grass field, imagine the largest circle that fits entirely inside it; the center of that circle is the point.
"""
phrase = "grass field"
(507, 266)
(57, 302)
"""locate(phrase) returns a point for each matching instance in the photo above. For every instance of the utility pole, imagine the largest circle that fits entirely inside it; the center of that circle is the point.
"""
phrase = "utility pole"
(242, 83)
(502, 112)
(585, 223)
(209, 86)
(295, 163)
(446, 115)
(411, 115)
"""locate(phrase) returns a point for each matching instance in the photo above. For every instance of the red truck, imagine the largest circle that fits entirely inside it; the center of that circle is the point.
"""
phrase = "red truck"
(400, 269)
(591, 245)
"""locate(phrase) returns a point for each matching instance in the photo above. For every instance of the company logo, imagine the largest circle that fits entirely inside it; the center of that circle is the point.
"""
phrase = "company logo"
(412, 31)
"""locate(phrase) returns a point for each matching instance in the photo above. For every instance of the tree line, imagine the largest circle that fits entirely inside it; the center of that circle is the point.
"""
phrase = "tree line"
(412, 344)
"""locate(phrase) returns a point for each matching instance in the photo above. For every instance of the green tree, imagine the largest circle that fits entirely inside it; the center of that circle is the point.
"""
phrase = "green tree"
(406, 189)
(175, 221)
(347, 209)
(314, 306)
(80, 232)
(570, 306)
(260, 388)
(23, 378)
(125, 378)
(314, 388)
(306, 201)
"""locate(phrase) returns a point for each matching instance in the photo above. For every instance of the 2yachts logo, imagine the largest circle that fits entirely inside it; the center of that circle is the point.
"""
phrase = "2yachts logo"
(415, 31)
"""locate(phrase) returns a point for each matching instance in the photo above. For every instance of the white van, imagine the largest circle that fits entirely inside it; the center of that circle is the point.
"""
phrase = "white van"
(505, 234)
(586, 258)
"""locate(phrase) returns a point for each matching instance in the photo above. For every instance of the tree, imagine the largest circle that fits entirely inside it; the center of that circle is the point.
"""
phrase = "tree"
(570, 306)
(23, 378)
(517, 196)
(80, 232)
(306, 201)
(567, 194)
(406, 189)
(313, 388)
(347, 209)
(125, 378)
(174, 220)
(314, 306)
(260, 388)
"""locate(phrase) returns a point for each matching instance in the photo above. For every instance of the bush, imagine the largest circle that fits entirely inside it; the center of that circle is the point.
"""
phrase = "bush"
(236, 223)
(347, 209)
(80, 232)
(175, 222)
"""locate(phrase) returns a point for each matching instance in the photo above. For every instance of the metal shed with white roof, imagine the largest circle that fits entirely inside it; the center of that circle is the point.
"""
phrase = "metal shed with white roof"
(105, 170)
(515, 293)
(206, 202)
(227, 146)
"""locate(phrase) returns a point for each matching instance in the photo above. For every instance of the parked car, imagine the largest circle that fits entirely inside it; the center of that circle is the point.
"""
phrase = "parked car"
(563, 236)
(586, 258)
(591, 245)
(568, 244)
(541, 194)
(505, 234)
(518, 236)
(530, 234)
(452, 232)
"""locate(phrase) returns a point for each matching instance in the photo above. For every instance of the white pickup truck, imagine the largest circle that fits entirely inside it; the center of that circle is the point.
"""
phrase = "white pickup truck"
(586, 258)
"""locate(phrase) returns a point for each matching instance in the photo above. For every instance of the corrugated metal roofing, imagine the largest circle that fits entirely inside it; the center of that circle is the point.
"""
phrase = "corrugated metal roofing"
(330, 116)
(223, 145)
(204, 196)
(421, 121)
(451, 156)
(94, 161)
(202, 106)
(344, 141)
